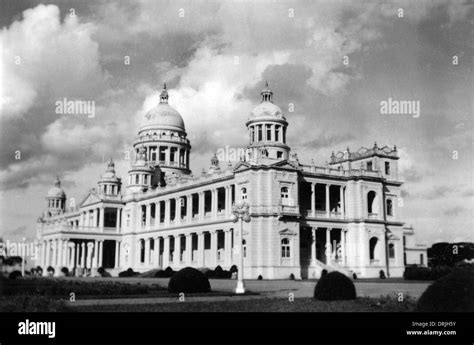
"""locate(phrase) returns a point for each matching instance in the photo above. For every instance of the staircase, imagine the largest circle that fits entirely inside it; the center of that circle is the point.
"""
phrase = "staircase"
(334, 266)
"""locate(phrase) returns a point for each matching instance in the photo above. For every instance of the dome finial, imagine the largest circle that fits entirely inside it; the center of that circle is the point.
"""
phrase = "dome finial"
(267, 93)
(164, 94)
(57, 182)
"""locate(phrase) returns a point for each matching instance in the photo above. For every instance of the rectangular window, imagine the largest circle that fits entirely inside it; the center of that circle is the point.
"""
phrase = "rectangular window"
(369, 166)
(259, 132)
(269, 132)
(387, 168)
(279, 154)
(422, 259)
(277, 133)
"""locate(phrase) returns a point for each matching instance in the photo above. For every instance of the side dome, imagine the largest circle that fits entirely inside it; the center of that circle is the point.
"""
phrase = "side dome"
(162, 116)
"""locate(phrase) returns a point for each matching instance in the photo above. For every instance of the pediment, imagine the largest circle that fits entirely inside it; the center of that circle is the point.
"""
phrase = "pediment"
(90, 199)
(241, 165)
(286, 164)
(287, 232)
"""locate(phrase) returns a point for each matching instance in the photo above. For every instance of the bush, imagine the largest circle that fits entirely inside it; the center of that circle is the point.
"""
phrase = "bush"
(439, 271)
(324, 272)
(292, 276)
(416, 273)
(354, 276)
(219, 273)
(334, 286)
(451, 293)
(189, 280)
(128, 273)
(50, 270)
(382, 274)
(65, 271)
(233, 269)
(39, 270)
(15, 275)
(260, 277)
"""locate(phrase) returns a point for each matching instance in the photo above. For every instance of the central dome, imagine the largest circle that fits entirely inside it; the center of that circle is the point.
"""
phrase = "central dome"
(163, 116)
(56, 191)
(266, 110)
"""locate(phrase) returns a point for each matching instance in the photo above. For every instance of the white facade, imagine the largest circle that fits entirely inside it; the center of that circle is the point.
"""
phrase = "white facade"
(345, 216)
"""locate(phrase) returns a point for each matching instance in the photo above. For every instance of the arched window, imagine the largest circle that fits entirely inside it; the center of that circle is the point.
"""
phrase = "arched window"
(371, 201)
(389, 207)
(372, 247)
(391, 251)
(284, 193)
(244, 193)
(285, 248)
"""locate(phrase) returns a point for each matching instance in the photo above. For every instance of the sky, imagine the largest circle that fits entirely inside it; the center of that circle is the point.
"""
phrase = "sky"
(330, 65)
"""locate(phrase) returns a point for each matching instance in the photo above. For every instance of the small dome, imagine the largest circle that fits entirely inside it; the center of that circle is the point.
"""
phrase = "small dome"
(109, 174)
(267, 109)
(56, 191)
(163, 116)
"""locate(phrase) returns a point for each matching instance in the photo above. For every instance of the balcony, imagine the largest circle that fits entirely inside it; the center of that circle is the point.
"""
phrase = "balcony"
(287, 210)
(373, 216)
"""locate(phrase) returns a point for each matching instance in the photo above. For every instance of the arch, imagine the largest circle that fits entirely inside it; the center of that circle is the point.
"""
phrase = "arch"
(243, 193)
(373, 247)
(284, 192)
(285, 248)
(389, 207)
(371, 197)
(391, 251)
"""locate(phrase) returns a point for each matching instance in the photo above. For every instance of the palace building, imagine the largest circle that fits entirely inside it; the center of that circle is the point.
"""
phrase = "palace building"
(344, 216)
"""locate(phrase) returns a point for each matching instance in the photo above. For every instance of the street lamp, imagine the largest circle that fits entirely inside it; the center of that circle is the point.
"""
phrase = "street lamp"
(240, 211)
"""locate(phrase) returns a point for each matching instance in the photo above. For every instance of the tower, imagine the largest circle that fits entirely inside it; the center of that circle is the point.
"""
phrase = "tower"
(109, 184)
(56, 199)
(142, 175)
(267, 130)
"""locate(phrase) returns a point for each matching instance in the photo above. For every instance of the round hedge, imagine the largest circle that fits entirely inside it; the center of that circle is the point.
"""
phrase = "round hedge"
(451, 293)
(189, 280)
(334, 286)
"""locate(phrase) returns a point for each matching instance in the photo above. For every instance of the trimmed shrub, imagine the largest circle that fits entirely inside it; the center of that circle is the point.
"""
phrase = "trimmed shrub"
(50, 271)
(292, 276)
(233, 269)
(219, 273)
(334, 286)
(382, 274)
(14, 275)
(354, 276)
(440, 271)
(128, 273)
(323, 273)
(65, 271)
(169, 272)
(260, 277)
(189, 280)
(209, 273)
(39, 270)
(451, 293)
(416, 273)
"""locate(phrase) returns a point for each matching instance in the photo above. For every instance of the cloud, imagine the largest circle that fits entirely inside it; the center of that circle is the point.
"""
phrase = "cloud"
(453, 211)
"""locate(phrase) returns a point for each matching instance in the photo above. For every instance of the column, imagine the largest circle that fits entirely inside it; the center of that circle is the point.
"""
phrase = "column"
(313, 199)
(119, 218)
(167, 212)
(95, 257)
(101, 217)
(90, 246)
(213, 249)
(341, 196)
(147, 252)
(189, 249)
(117, 254)
(313, 246)
(157, 214)
(157, 252)
(78, 256)
(148, 216)
(214, 203)
(343, 246)
(83, 255)
(60, 252)
(101, 251)
(200, 249)
(201, 205)
(167, 153)
(73, 256)
(166, 252)
(328, 211)
(178, 210)
(189, 207)
(94, 217)
(227, 248)
(227, 201)
(327, 250)
(55, 253)
(177, 249)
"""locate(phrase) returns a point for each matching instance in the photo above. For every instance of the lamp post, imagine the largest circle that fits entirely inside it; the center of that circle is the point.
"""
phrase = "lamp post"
(240, 211)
